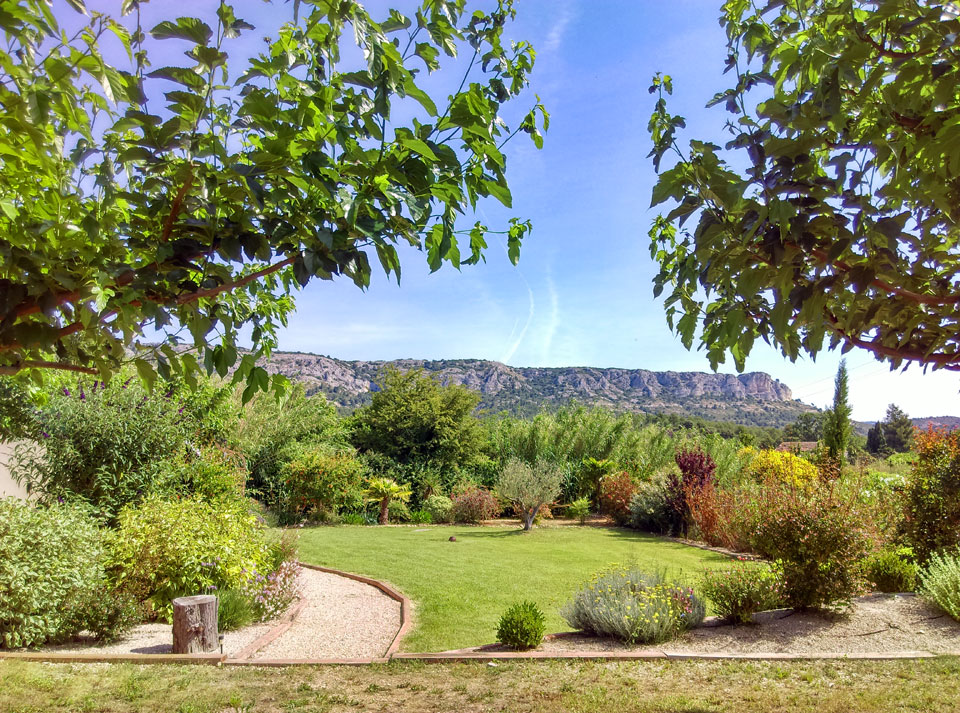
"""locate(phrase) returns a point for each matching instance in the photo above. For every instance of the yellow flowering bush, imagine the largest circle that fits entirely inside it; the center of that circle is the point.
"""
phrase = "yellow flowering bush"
(779, 465)
(634, 606)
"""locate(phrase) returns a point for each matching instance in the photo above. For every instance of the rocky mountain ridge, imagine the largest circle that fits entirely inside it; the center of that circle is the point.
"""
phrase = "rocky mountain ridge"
(754, 398)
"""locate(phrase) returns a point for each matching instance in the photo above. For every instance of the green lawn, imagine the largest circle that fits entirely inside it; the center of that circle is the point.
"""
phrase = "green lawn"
(928, 685)
(461, 588)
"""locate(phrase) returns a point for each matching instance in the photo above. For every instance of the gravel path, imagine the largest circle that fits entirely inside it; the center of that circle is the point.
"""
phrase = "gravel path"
(343, 618)
(876, 624)
(157, 639)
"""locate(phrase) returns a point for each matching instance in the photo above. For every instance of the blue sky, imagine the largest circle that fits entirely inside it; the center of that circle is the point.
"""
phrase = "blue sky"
(581, 294)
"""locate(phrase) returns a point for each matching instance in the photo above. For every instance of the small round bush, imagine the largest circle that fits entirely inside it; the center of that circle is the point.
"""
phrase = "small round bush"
(940, 582)
(440, 508)
(891, 570)
(649, 509)
(522, 626)
(740, 591)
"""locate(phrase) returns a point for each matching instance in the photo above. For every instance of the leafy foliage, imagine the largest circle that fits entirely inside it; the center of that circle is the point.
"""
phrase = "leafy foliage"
(579, 509)
(384, 491)
(317, 480)
(780, 466)
(842, 225)
(204, 211)
(473, 504)
(897, 430)
(413, 418)
(633, 606)
(940, 582)
(740, 591)
(521, 626)
(529, 487)
(51, 573)
(169, 548)
(892, 569)
(616, 492)
(105, 443)
(440, 508)
(818, 538)
(933, 493)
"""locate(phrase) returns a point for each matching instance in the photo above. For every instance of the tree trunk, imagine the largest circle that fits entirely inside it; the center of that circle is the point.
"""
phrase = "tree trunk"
(384, 511)
(529, 515)
(195, 624)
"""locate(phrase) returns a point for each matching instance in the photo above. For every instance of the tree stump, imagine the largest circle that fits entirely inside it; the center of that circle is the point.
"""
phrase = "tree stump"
(195, 624)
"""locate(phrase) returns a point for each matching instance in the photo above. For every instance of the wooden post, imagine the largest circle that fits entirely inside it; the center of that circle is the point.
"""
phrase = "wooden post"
(195, 624)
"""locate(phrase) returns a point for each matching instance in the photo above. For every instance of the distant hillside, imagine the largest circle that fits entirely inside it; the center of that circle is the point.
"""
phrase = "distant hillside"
(937, 421)
(751, 399)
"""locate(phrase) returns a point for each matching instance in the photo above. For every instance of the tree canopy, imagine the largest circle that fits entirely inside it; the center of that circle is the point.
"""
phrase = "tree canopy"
(837, 428)
(831, 214)
(185, 203)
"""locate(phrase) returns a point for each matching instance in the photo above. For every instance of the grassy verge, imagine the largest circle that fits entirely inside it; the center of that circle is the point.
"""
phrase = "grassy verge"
(461, 588)
(542, 686)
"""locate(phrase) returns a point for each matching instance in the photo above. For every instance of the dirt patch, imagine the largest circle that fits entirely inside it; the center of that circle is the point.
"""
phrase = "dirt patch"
(878, 623)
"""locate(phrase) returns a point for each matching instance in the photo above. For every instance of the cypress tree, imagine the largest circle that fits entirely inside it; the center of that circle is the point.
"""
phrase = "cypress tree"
(837, 427)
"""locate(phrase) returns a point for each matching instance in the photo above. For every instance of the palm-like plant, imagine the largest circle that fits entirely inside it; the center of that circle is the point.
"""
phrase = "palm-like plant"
(383, 490)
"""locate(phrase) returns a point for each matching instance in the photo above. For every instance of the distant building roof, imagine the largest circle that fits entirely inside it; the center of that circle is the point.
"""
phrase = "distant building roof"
(791, 446)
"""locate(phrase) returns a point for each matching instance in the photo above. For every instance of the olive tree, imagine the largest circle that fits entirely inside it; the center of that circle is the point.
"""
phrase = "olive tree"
(187, 202)
(832, 213)
(529, 487)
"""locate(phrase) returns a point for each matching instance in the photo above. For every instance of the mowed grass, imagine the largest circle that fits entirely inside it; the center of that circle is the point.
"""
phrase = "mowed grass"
(512, 686)
(461, 588)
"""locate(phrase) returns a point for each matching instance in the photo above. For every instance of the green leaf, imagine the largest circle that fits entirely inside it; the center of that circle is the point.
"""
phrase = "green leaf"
(183, 28)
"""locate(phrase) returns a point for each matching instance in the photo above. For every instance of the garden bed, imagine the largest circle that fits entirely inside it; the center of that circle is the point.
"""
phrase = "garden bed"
(877, 623)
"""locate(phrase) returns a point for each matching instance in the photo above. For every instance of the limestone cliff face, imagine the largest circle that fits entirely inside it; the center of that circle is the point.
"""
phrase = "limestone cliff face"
(754, 398)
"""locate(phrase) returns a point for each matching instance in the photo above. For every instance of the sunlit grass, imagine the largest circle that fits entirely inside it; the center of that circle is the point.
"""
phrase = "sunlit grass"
(461, 588)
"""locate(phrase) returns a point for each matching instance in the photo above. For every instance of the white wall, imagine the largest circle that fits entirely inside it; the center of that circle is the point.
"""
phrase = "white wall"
(8, 486)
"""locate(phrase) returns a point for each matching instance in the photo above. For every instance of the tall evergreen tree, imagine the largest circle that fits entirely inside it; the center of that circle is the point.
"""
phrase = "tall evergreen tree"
(898, 429)
(876, 441)
(837, 427)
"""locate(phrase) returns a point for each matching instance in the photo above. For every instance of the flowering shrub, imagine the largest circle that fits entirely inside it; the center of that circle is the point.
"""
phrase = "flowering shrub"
(781, 466)
(271, 593)
(940, 582)
(932, 518)
(616, 492)
(317, 479)
(818, 538)
(169, 548)
(634, 606)
(738, 592)
(473, 504)
(522, 626)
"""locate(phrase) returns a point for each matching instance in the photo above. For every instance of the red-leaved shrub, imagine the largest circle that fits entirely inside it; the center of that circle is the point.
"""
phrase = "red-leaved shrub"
(473, 504)
(616, 491)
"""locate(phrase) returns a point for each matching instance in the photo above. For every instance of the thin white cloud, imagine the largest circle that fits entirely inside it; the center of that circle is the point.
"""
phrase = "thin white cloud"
(508, 355)
(565, 14)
